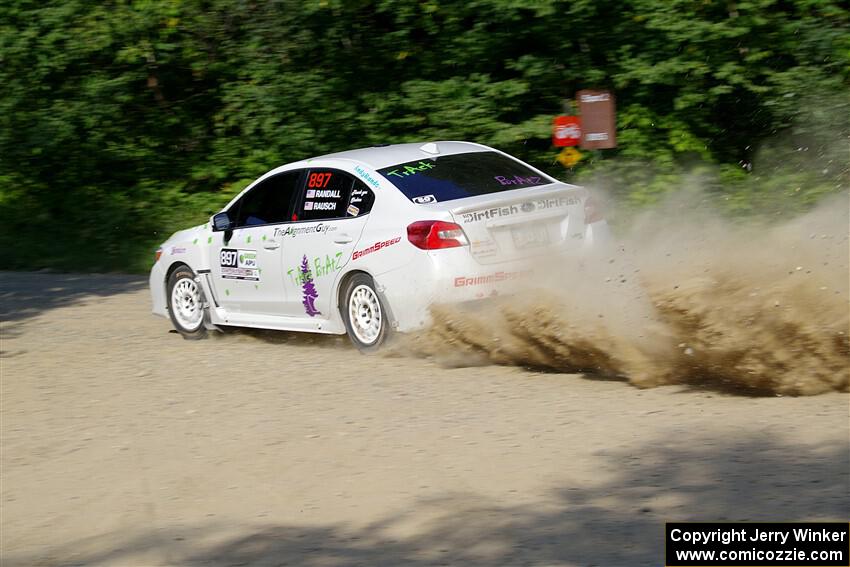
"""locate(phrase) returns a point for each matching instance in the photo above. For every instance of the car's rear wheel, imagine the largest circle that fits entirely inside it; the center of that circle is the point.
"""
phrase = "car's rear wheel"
(364, 314)
(186, 304)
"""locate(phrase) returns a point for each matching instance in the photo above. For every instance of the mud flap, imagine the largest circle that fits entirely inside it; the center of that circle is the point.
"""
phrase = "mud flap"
(203, 278)
(380, 289)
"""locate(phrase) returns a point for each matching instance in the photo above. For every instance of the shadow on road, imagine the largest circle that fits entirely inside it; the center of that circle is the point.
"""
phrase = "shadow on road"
(293, 338)
(28, 294)
(614, 523)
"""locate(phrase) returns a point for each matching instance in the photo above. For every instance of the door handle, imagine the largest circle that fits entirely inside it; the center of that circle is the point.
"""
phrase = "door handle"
(270, 245)
(342, 239)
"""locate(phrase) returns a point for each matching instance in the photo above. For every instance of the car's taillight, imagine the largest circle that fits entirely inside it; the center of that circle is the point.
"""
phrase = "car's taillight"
(432, 234)
(592, 211)
(156, 255)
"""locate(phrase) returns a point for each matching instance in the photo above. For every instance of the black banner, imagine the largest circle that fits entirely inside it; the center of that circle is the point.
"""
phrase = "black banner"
(803, 544)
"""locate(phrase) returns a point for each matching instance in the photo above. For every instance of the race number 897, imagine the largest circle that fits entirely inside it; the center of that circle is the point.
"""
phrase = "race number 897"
(228, 258)
(319, 179)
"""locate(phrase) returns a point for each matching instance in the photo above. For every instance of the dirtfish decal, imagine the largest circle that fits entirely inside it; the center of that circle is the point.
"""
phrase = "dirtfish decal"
(308, 290)
(527, 207)
(493, 213)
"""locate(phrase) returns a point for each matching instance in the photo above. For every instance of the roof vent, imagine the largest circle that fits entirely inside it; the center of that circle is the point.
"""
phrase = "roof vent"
(430, 148)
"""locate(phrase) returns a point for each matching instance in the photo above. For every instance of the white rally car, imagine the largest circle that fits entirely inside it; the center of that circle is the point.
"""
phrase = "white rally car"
(364, 241)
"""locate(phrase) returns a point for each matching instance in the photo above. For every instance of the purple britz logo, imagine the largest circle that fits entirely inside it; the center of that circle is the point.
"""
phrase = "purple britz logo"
(308, 289)
(516, 180)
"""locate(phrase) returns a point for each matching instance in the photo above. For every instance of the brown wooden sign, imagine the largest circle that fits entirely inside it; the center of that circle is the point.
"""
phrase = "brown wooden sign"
(598, 119)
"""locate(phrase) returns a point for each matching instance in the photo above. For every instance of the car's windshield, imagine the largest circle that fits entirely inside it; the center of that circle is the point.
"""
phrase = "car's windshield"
(443, 178)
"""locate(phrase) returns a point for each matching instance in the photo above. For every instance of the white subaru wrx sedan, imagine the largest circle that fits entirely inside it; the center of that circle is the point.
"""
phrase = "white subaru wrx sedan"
(364, 241)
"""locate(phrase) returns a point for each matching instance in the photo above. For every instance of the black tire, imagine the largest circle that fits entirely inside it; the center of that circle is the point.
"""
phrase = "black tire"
(191, 331)
(370, 306)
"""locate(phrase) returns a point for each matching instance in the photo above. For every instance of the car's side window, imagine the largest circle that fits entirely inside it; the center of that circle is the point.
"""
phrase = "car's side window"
(270, 201)
(361, 200)
(326, 194)
(333, 194)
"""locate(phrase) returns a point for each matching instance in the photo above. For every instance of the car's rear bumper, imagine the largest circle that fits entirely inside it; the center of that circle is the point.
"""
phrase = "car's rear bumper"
(597, 237)
(452, 276)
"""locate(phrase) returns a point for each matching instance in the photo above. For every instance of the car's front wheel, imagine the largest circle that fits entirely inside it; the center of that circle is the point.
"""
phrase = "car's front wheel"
(364, 314)
(186, 303)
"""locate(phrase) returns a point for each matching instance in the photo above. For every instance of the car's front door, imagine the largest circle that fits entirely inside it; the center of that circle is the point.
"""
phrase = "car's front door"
(332, 212)
(247, 262)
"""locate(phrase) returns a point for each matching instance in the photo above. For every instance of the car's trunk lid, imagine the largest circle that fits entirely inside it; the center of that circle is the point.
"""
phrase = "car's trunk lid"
(521, 223)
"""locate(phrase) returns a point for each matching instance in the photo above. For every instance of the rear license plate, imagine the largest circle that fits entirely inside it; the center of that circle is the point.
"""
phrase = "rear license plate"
(530, 236)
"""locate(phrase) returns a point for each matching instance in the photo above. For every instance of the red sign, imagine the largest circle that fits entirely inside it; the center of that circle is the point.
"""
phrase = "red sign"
(566, 131)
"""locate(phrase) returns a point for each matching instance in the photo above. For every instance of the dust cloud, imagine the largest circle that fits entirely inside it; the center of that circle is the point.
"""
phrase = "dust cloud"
(683, 297)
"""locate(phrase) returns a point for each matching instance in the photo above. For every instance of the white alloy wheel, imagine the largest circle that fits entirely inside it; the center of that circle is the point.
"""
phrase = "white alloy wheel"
(186, 304)
(364, 313)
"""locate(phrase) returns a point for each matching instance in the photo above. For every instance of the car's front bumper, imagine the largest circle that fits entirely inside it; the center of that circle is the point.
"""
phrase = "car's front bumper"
(156, 282)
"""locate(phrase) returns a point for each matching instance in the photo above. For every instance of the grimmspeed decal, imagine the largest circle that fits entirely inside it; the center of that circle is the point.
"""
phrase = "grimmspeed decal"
(522, 208)
(495, 277)
(375, 247)
(239, 264)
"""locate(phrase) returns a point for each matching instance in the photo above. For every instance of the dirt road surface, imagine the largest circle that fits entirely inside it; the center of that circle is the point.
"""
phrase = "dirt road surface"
(123, 444)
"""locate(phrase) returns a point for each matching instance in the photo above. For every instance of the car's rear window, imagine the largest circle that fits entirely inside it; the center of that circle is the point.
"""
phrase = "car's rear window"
(443, 178)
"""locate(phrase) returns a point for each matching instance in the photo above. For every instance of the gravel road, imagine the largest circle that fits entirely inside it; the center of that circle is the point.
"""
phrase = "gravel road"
(123, 444)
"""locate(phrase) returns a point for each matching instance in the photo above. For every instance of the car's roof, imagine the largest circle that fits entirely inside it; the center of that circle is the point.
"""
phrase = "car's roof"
(378, 157)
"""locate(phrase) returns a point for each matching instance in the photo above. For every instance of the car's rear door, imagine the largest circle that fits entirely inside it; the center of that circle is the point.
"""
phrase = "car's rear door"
(332, 213)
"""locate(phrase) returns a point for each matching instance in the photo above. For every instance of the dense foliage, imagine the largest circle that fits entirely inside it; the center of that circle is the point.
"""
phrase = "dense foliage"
(122, 120)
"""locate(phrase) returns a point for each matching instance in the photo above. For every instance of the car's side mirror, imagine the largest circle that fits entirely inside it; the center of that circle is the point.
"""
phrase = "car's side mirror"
(221, 221)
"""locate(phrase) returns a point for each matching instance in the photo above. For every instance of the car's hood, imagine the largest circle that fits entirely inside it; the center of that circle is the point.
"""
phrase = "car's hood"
(188, 235)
